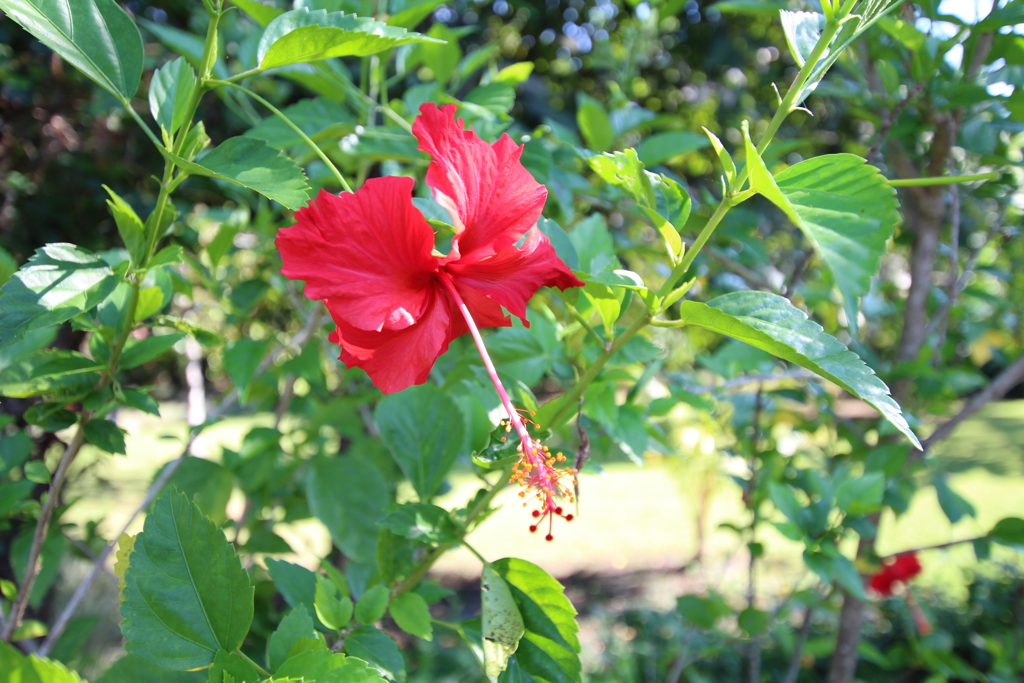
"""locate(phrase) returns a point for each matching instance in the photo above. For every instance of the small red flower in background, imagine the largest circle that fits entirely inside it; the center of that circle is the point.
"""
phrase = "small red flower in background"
(398, 304)
(901, 569)
(368, 255)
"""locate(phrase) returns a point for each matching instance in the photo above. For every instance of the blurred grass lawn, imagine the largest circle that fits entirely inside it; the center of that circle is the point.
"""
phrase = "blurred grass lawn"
(631, 519)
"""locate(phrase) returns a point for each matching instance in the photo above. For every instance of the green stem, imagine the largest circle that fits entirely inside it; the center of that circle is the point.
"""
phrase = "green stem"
(122, 338)
(259, 669)
(298, 131)
(474, 551)
(943, 180)
(789, 102)
(568, 400)
(698, 244)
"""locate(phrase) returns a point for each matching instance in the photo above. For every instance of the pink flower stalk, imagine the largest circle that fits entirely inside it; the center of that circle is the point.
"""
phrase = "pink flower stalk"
(538, 471)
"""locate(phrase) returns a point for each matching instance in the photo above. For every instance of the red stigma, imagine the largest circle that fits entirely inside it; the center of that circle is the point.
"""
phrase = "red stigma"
(536, 513)
(549, 537)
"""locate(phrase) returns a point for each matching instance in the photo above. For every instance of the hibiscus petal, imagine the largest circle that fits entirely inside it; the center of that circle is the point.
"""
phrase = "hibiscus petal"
(368, 252)
(512, 276)
(396, 359)
(491, 197)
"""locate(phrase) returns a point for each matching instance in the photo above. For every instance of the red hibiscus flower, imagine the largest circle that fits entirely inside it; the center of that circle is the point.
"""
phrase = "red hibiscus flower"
(398, 303)
(370, 255)
(901, 569)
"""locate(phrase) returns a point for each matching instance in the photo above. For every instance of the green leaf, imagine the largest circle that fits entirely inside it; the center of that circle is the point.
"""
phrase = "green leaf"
(16, 668)
(171, 255)
(319, 118)
(58, 282)
(861, 495)
(241, 360)
(665, 203)
(847, 211)
(410, 13)
(442, 55)
(188, 45)
(186, 595)
(321, 666)
(332, 609)
(661, 147)
(953, 505)
(350, 513)
(131, 669)
(304, 35)
(769, 322)
(423, 428)
(1009, 531)
(501, 623)
(421, 522)
(372, 604)
(514, 74)
(170, 92)
(376, 647)
(728, 166)
(549, 650)
(37, 471)
(295, 626)
(149, 348)
(97, 36)
(262, 13)
(252, 163)
(296, 583)
(594, 123)
(753, 621)
(412, 615)
(129, 226)
(106, 436)
(229, 666)
(48, 371)
(206, 483)
(846, 575)
(703, 612)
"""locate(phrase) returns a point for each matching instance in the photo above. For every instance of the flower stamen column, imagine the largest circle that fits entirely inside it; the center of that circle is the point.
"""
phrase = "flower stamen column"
(538, 470)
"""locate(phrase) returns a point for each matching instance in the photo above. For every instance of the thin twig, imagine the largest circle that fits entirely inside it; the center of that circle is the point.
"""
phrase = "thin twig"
(161, 481)
(997, 388)
(796, 660)
(42, 527)
(937, 546)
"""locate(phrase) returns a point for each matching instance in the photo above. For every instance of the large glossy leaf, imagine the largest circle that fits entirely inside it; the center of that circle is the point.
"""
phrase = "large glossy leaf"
(186, 595)
(349, 495)
(549, 650)
(97, 36)
(422, 427)
(304, 35)
(845, 208)
(58, 282)
(770, 323)
(252, 163)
